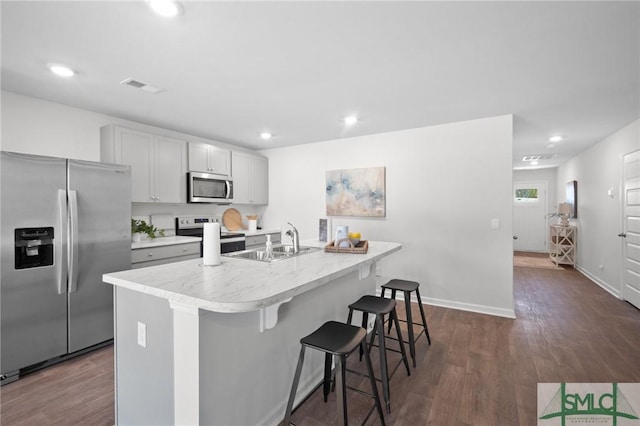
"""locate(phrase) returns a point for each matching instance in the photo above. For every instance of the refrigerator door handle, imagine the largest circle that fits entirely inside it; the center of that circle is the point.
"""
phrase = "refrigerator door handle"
(73, 241)
(61, 243)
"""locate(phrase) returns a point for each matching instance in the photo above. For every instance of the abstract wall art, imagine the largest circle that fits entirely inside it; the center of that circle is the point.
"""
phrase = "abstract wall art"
(356, 192)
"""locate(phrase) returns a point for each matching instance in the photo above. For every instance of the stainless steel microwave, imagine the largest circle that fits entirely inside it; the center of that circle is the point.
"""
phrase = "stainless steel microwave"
(209, 188)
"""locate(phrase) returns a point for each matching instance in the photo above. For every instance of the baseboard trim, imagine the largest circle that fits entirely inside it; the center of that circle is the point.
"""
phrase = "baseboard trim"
(602, 284)
(471, 307)
(461, 306)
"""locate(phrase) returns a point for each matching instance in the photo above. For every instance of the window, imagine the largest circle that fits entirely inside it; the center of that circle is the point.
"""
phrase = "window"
(526, 196)
(526, 193)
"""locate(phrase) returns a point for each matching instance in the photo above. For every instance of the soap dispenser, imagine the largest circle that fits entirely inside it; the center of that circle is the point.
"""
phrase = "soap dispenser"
(268, 255)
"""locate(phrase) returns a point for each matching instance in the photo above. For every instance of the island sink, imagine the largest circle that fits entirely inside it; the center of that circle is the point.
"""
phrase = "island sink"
(279, 252)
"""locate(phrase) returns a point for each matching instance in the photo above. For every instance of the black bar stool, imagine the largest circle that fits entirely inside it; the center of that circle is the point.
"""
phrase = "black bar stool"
(337, 340)
(380, 307)
(407, 287)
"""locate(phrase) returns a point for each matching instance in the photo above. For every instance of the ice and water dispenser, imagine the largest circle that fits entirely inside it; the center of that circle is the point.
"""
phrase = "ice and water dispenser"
(34, 247)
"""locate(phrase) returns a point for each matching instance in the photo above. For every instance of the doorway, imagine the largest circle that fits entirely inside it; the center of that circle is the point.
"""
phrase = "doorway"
(530, 216)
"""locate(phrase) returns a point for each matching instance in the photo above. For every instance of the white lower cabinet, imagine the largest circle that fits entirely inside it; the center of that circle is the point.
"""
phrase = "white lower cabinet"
(250, 178)
(151, 256)
(158, 163)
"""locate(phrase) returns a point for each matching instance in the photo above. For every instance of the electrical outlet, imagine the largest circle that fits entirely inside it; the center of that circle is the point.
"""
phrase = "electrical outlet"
(142, 334)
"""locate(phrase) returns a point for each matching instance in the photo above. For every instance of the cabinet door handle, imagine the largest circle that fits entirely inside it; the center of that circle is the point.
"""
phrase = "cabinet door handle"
(150, 254)
(622, 234)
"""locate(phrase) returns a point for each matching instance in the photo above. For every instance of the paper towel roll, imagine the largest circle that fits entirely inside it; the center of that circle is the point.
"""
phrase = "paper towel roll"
(211, 244)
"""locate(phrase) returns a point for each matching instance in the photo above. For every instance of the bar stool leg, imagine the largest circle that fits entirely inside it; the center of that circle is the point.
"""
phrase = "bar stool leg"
(424, 319)
(374, 387)
(326, 385)
(341, 389)
(393, 297)
(294, 388)
(412, 344)
(365, 320)
(383, 361)
(394, 318)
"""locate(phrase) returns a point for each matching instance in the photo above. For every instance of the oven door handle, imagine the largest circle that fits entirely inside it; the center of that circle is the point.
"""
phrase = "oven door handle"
(232, 240)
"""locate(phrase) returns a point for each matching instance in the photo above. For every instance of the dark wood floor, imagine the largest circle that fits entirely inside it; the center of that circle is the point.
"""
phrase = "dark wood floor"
(480, 369)
(78, 391)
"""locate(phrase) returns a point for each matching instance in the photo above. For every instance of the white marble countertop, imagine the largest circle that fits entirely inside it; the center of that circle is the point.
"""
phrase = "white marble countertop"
(164, 241)
(241, 285)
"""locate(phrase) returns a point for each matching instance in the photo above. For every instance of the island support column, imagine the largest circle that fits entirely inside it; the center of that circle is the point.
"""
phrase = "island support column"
(186, 363)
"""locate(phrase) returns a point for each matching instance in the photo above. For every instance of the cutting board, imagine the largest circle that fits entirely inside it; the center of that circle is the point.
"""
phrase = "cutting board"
(232, 220)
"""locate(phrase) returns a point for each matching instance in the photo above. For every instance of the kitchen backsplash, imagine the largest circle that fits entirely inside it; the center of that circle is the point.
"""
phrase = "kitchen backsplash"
(147, 210)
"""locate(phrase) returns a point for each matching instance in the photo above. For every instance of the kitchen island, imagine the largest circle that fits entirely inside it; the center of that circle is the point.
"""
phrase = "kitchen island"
(218, 345)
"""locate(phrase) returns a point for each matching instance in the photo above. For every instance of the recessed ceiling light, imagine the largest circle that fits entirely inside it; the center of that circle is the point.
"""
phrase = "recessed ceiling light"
(555, 138)
(534, 163)
(350, 120)
(61, 70)
(265, 135)
(166, 8)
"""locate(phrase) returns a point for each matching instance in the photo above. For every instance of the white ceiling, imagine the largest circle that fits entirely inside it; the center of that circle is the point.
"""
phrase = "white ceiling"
(295, 69)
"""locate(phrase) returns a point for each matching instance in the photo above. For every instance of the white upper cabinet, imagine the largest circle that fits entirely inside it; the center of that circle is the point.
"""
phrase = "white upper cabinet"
(250, 178)
(158, 163)
(170, 166)
(209, 159)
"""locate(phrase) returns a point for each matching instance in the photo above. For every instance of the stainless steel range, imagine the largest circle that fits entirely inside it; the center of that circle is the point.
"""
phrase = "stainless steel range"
(193, 226)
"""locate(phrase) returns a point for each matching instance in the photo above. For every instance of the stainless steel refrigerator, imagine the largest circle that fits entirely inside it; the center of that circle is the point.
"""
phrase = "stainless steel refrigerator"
(64, 223)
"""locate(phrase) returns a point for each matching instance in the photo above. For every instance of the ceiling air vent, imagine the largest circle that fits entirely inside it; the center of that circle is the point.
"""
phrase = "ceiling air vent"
(538, 157)
(142, 86)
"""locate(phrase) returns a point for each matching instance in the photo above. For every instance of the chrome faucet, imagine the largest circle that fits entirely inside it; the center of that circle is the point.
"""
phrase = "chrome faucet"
(293, 233)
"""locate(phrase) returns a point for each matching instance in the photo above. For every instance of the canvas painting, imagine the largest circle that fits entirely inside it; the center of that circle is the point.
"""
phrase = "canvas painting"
(356, 192)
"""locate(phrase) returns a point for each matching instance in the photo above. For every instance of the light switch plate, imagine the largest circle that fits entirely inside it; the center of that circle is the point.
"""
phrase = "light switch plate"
(495, 223)
(142, 334)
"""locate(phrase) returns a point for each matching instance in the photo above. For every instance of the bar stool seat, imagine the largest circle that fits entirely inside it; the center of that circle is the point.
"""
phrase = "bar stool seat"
(380, 307)
(337, 340)
(408, 287)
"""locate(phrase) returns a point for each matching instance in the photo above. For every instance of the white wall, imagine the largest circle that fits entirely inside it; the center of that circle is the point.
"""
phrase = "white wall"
(599, 220)
(444, 185)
